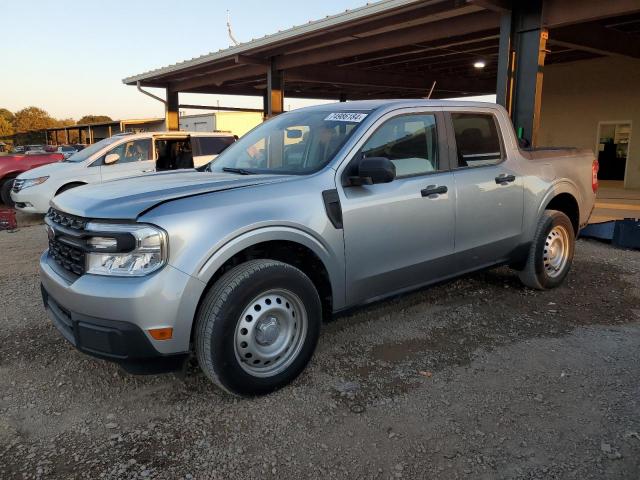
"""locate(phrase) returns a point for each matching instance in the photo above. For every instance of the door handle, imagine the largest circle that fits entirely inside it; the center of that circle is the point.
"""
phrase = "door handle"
(504, 178)
(149, 170)
(434, 190)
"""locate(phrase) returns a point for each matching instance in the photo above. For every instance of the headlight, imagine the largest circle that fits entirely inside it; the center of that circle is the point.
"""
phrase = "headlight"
(31, 182)
(125, 250)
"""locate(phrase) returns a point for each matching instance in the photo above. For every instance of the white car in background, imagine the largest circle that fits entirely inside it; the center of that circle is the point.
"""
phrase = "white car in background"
(120, 156)
(66, 150)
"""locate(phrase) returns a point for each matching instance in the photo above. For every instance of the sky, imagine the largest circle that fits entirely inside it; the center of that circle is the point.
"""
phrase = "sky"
(69, 57)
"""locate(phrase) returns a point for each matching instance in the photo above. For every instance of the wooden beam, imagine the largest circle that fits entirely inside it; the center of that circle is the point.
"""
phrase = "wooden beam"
(337, 34)
(449, 46)
(218, 79)
(222, 109)
(246, 60)
(597, 39)
(558, 13)
(499, 6)
(452, 27)
(375, 79)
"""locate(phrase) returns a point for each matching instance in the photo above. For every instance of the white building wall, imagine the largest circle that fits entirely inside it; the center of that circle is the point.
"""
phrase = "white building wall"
(578, 95)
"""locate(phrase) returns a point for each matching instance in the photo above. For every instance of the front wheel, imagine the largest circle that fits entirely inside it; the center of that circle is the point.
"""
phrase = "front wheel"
(258, 327)
(5, 192)
(551, 252)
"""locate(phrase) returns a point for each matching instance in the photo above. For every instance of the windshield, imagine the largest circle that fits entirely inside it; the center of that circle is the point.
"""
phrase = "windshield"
(85, 153)
(293, 143)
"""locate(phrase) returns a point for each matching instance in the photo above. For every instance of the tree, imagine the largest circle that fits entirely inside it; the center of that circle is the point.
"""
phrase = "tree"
(6, 129)
(29, 121)
(7, 115)
(33, 118)
(94, 119)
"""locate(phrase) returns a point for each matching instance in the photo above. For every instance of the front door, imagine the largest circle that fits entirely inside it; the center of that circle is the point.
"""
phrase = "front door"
(490, 196)
(136, 158)
(398, 235)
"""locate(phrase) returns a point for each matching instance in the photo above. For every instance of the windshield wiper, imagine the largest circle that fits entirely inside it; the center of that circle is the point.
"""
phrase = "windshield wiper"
(240, 171)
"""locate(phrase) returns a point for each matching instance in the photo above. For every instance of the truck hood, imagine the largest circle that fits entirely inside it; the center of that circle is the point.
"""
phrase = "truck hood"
(127, 198)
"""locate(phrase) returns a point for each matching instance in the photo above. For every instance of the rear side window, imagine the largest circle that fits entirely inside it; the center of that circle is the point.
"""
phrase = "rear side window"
(477, 139)
(210, 145)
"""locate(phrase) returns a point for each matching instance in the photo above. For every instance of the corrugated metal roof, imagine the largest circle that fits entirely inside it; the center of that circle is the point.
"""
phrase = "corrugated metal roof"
(296, 31)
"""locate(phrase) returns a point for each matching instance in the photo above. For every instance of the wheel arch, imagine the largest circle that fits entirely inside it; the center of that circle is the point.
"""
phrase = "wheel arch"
(68, 185)
(11, 175)
(286, 244)
(563, 196)
(566, 203)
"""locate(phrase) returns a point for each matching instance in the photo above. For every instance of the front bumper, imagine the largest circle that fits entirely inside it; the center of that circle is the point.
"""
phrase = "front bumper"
(29, 203)
(108, 317)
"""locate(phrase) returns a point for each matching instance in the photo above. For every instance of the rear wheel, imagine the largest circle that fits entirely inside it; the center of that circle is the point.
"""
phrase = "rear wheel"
(258, 327)
(5, 192)
(551, 252)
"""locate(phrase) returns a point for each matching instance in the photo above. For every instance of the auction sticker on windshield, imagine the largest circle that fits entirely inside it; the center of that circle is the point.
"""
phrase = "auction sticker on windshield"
(346, 117)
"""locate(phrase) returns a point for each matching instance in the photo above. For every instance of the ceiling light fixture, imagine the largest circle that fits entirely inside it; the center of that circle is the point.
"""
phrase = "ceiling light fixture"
(479, 64)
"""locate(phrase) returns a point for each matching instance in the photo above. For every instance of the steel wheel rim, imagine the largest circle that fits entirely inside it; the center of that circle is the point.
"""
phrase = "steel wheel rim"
(556, 251)
(270, 333)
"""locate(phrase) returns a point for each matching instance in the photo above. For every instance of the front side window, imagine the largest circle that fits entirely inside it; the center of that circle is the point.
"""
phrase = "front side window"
(87, 152)
(133, 151)
(295, 143)
(477, 139)
(409, 141)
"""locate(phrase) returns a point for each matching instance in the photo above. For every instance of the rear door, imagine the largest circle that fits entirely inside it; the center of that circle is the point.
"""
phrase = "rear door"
(136, 158)
(399, 235)
(490, 196)
(206, 148)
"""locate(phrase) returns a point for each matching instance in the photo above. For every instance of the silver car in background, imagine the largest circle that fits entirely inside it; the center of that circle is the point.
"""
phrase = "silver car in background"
(315, 211)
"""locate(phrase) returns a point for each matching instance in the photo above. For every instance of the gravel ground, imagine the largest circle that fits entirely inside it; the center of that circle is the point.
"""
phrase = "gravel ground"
(476, 378)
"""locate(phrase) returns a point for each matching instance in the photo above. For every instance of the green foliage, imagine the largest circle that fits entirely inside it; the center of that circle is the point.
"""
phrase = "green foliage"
(94, 119)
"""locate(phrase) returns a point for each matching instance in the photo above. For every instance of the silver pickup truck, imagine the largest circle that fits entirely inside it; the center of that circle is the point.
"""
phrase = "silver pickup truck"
(313, 212)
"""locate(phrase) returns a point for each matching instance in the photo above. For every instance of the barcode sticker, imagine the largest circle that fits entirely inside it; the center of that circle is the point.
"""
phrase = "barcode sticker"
(346, 117)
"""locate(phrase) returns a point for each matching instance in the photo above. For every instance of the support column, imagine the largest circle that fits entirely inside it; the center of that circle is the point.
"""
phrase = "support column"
(171, 112)
(523, 42)
(110, 131)
(274, 97)
(46, 137)
(66, 136)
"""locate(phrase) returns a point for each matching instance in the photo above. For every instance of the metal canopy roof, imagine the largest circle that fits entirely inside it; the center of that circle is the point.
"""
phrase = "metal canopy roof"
(398, 48)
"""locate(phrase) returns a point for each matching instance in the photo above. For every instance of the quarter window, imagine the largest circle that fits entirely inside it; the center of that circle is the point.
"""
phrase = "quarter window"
(477, 139)
(409, 141)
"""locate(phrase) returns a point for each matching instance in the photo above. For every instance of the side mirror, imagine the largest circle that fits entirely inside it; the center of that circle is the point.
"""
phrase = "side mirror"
(376, 170)
(111, 158)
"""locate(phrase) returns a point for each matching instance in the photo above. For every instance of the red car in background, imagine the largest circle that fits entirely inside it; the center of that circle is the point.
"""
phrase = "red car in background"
(13, 165)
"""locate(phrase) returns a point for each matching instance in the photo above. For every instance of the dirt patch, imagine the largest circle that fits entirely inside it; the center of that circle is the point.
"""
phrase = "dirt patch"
(475, 378)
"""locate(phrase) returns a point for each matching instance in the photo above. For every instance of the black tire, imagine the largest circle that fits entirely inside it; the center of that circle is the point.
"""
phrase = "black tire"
(5, 192)
(223, 310)
(539, 271)
(68, 186)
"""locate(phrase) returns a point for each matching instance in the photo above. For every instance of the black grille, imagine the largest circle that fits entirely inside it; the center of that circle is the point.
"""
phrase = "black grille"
(66, 220)
(64, 253)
